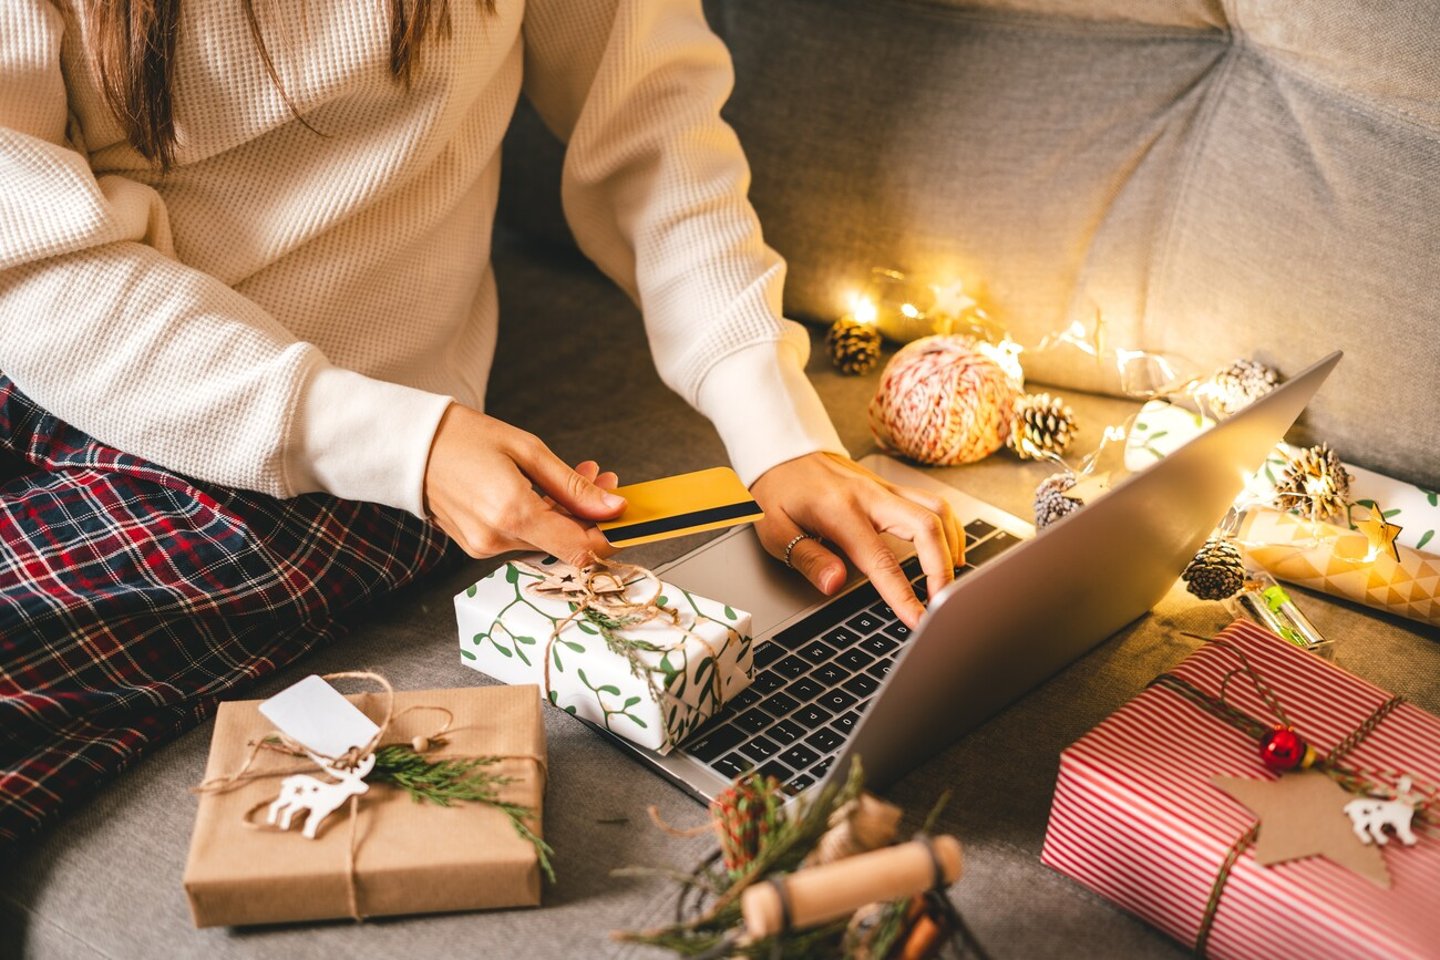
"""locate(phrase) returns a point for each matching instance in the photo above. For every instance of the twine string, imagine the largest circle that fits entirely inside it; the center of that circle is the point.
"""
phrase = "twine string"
(602, 596)
(1351, 778)
(278, 742)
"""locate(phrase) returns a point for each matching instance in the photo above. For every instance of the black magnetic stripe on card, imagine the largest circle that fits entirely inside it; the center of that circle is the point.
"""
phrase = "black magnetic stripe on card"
(649, 528)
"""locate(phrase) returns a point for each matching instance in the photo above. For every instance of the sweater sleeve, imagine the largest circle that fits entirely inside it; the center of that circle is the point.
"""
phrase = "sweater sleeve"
(102, 326)
(654, 188)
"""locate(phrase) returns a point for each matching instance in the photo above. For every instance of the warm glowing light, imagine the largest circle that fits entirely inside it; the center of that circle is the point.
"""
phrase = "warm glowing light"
(909, 310)
(862, 308)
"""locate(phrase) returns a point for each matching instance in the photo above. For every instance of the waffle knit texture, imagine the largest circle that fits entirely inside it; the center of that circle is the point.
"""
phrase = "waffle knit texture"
(290, 309)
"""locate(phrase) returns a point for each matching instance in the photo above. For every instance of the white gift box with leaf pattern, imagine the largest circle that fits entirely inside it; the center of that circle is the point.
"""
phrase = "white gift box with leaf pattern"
(613, 644)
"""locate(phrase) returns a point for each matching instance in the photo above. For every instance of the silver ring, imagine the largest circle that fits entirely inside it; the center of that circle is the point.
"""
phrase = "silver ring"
(794, 542)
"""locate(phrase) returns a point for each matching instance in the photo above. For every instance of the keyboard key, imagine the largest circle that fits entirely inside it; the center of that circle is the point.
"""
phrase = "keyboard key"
(779, 704)
(817, 652)
(866, 622)
(978, 529)
(745, 699)
(813, 716)
(899, 631)
(714, 742)
(799, 756)
(805, 689)
(879, 644)
(767, 681)
(822, 768)
(990, 549)
(883, 611)
(792, 667)
(880, 669)
(731, 766)
(800, 782)
(830, 674)
(761, 748)
(837, 700)
(855, 659)
(846, 722)
(776, 770)
(786, 731)
(862, 685)
(767, 653)
(753, 721)
(841, 637)
(824, 740)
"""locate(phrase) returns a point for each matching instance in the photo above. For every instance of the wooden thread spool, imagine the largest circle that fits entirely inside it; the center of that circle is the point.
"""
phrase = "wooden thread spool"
(818, 895)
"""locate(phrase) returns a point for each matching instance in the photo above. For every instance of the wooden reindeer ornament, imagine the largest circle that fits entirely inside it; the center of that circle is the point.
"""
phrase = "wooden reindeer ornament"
(303, 792)
(1371, 816)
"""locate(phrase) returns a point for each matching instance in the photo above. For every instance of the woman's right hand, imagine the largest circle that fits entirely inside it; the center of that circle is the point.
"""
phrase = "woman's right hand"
(480, 487)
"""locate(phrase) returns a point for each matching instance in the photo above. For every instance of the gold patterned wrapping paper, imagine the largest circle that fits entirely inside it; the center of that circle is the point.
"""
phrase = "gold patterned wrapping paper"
(1336, 561)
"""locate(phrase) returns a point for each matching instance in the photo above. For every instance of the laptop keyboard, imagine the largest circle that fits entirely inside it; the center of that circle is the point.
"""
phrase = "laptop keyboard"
(814, 679)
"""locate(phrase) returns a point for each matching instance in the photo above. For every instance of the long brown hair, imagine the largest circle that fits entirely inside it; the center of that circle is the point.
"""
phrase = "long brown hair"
(134, 51)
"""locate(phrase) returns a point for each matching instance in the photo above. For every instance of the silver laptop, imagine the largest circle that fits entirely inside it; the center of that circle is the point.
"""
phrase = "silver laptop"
(841, 677)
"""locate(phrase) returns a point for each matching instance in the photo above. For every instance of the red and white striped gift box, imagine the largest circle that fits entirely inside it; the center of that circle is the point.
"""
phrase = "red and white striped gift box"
(1137, 820)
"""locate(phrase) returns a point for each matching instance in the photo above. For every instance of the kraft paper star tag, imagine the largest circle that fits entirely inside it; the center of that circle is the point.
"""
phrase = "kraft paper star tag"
(1303, 815)
(1380, 532)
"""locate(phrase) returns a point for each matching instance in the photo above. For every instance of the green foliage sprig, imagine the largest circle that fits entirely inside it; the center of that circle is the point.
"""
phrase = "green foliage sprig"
(457, 780)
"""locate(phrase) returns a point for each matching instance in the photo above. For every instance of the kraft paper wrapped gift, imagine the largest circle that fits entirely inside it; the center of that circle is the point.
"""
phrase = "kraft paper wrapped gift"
(1139, 817)
(409, 857)
(652, 682)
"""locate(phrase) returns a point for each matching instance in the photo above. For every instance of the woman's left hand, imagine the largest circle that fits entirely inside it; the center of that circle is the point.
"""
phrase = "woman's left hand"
(836, 499)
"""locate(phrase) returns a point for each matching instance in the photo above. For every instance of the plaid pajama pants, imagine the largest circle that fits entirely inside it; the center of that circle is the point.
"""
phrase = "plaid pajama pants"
(132, 600)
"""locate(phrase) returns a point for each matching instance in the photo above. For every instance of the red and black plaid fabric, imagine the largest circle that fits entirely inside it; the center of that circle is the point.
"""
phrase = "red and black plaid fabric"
(133, 599)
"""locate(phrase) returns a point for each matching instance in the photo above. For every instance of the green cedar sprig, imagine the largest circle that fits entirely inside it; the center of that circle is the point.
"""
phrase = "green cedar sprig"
(457, 780)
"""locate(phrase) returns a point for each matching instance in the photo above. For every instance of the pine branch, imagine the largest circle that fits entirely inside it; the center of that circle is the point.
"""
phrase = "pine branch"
(458, 780)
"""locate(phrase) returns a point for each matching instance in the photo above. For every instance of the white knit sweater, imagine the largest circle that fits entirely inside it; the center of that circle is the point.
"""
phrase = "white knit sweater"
(291, 310)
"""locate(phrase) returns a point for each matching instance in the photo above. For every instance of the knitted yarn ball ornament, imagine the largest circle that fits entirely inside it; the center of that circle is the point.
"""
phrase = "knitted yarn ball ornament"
(942, 402)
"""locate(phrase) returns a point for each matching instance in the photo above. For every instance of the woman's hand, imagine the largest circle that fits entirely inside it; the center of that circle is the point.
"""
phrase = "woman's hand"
(480, 488)
(833, 497)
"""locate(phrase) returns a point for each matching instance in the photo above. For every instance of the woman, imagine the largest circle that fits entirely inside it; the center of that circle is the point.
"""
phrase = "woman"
(246, 319)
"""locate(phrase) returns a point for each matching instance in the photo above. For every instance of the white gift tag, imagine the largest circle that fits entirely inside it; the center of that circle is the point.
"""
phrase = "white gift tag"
(316, 715)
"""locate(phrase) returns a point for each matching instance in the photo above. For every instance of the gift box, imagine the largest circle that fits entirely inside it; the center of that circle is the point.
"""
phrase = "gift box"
(651, 676)
(403, 856)
(1140, 818)
(1343, 563)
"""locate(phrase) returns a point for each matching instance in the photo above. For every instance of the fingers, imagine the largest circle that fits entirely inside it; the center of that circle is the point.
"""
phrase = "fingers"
(570, 489)
(863, 546)
(562, 536)
(816, 563)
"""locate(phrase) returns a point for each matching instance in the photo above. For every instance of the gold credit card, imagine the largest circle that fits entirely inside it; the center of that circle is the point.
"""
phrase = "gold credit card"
(674, 506)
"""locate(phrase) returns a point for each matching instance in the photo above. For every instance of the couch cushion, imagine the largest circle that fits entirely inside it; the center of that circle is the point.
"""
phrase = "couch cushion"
(1258, 180)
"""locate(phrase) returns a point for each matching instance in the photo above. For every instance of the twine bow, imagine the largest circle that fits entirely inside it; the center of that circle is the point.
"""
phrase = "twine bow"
(1350, 777)
(605, 594)
(278, 742)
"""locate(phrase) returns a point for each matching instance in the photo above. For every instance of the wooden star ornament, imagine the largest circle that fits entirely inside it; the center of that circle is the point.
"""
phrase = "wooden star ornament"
(1380, 532)
(1303, 815)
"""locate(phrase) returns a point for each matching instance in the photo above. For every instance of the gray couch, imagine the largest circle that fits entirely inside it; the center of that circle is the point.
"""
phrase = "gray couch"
(1220, 178)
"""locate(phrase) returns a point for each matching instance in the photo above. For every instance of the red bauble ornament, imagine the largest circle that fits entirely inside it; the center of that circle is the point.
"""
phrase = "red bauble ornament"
(1283, 749)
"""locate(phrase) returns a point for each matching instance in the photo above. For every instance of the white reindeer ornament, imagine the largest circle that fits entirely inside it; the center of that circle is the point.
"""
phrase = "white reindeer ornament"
(1371, 816)
(304, 792)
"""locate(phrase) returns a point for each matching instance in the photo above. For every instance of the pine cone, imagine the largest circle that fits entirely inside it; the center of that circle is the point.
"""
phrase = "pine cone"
(854, 346)
(1239, 385)
(1315, 483)
(1042, 424)
(1217, 571)
(1050, 501)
